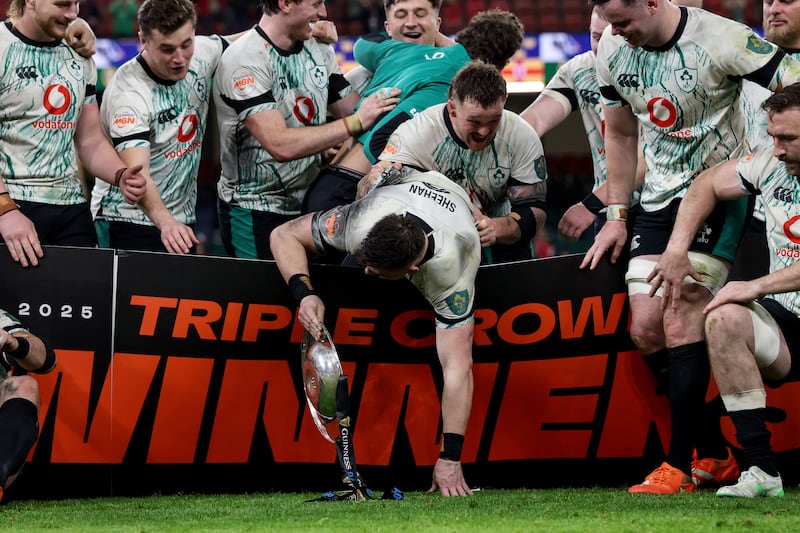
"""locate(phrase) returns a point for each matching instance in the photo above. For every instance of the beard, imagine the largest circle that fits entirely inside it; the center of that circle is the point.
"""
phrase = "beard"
(787, 36)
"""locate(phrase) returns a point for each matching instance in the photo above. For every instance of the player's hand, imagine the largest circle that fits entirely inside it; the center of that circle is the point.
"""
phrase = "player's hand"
(133, 184)
(487, 231)
(735, 291)
(575, 221)
(324, 31)
(311, 315)
(449, 479)
(670, 271)
(375, 105)
(611, 237)
(21, 237)
(80, 37)
(373, 178)
(178, 238)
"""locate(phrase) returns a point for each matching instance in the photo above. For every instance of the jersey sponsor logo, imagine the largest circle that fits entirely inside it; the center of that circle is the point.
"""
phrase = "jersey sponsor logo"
(180, 152)
(188, 128)
(243, 82)
(758, 45)
(123, 121)
(686, 78)
(57, 99)
(662, 112)
(628, 80)
(319, 76)
(390, 149)
(704, 235)
(791, 230)
(304, 109)
(458, 302)
(498, 177)
(27, 72)
(783, 194)
(332, 225)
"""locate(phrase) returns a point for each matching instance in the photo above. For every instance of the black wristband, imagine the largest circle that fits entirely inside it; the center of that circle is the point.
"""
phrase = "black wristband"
(593, 203)
(23, 347)
(451, 446)
(300, 286)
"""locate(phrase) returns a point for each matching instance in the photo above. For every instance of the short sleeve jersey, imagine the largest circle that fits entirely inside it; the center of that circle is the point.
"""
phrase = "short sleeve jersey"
(684, 95)
(44, 87)
(254, 76)
(446, 278)
(169, 118)
(422, 72)
(763, 174)
(575, 87)
(515, 155)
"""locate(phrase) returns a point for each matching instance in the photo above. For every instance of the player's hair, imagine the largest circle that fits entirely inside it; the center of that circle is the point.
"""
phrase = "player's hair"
(493, 36)
(394, 242)
(389, 3)
(601, 2)
(166, 16)
(786, 98)
(15, 8)
(478, 82)
(271, 6)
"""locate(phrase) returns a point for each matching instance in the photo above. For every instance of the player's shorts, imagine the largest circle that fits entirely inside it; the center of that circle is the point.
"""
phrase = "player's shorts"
(130, 236)
(789, 324)
(333, 186)
(719, 235)
(61, 225)
(245, 232)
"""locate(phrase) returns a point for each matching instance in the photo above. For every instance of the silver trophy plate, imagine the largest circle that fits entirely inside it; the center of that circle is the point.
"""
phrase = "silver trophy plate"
(321, 371)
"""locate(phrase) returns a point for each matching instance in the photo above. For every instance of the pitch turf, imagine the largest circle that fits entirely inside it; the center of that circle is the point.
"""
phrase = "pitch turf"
(582, 509)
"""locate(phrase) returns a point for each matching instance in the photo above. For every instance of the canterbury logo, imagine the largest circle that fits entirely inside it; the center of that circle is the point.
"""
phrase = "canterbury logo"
(27, 73)
(590, 97)
(628, 80)
(167, 116)
(783, 195)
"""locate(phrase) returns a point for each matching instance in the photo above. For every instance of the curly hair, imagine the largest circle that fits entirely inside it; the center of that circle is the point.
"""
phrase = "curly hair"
(15, 9)
(394, 242)
(166, 16)
(493, 36)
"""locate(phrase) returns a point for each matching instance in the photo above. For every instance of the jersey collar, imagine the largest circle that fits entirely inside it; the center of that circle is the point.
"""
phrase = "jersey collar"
(31, 42)
(152, 75)
(428, 233)
(678, 32)
(295, 49)
(449, 124)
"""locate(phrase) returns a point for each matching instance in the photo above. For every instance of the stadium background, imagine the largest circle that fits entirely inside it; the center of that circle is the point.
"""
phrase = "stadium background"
(555, 31)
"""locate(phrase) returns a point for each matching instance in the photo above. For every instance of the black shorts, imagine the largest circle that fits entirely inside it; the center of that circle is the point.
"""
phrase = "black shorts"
(790, 327)
(333, 186)
(129, 236)
(61, 225)
(719, 236)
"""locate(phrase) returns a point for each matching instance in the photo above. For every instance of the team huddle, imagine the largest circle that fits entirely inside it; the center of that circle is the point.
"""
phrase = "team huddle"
(409, 166)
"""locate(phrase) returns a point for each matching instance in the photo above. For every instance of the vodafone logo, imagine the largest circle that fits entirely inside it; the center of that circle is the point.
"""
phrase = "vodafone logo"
(304, 109)
(188, 128)
(662, 112)
(57, 99)
(791, 231)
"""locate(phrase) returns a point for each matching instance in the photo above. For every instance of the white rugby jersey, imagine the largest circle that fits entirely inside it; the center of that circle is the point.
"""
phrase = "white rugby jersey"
(44, 87)
(684, 95)
(761, 173)
(139, 109)
(575, 87)
(428, 142)
(254, 75)
(446, 278)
